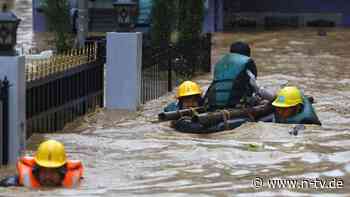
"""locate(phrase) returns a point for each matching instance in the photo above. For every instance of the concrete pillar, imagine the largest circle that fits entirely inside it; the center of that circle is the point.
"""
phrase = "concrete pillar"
(13, 67)
(123, 82)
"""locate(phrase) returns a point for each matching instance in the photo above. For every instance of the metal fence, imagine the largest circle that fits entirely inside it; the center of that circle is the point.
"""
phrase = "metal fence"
(162, 68)
(156, 77)
(100, 43)
(193, 57)
(68, 85)
(63, 88)
(4, 121)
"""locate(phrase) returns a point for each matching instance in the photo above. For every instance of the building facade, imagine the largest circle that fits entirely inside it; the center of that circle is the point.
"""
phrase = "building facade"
(226, 15)
(229, 14)
(101, 15)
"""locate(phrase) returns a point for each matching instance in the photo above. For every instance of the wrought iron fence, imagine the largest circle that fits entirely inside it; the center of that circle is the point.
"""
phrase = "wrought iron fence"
(68, 85)
(4, 121)
(43, 68)
(192, 58)
(161, 68)
(100, 43)
(63, 88)
(156, 77)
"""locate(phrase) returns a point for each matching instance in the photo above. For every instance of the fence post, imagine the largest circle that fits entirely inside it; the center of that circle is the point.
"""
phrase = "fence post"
(170, 68)
(13, 68)
(2, 145)
(208, 50)
(123, 83)
(4, 94)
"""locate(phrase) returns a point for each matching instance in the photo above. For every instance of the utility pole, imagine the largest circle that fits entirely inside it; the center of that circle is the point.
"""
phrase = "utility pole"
(82, 22)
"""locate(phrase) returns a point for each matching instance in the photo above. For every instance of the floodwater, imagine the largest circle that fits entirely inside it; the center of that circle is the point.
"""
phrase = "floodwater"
(126, 154)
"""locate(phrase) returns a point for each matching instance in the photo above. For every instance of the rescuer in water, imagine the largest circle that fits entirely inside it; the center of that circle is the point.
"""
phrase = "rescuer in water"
(48, 168)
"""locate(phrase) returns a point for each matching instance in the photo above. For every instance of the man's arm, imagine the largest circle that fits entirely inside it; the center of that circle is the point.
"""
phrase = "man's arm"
(259, 90)
(171, 107)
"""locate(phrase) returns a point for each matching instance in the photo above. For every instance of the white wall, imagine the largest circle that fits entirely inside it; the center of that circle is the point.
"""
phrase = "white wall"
(123, 82)
(14, 69)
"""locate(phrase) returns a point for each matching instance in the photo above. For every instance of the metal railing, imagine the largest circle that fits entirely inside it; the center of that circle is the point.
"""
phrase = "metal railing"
(156, 77)
(4, 124)
(65, 86)
(62, 88)
(193, 57)
(161, 68)
(38, 69)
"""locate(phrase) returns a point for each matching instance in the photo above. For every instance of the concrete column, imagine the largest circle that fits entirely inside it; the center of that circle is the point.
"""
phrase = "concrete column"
(13, 67)
(123, 82)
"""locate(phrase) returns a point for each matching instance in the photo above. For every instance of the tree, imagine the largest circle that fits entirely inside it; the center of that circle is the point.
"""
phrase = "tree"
(162, 22)
(191, 14)
(57, 13)
(190, 22)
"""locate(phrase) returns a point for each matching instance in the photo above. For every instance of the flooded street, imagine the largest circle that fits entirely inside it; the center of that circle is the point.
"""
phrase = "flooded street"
(125, 154)
(128, 155)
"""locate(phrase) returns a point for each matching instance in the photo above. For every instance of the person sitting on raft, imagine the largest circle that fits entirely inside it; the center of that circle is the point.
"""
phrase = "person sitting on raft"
(234, 82)
(48, 168)
(189, 95)
(233, 85)
(292, 107)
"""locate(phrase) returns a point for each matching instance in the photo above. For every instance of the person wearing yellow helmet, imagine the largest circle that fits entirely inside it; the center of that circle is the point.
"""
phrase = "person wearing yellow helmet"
(291, 106)
(189, 94)
(49, 167)
(234, 81)
(234, 85)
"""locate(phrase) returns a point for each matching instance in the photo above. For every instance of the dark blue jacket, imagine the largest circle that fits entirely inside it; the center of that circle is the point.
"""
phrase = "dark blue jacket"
(186, 125)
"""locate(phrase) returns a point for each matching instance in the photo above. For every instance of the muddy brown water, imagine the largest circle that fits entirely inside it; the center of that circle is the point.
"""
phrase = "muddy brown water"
(125, 154)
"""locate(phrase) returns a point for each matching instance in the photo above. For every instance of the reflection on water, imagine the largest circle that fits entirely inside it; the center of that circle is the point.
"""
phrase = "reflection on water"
(127, 155)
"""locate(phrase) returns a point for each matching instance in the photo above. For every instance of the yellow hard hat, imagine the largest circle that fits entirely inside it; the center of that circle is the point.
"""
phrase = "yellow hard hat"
(288, 97)
(50, 154)
(188, 88)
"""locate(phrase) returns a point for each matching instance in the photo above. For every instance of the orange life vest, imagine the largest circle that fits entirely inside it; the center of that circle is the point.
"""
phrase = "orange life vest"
(26, 178)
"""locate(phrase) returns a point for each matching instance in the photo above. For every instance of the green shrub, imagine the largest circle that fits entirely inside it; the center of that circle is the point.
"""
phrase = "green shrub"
(162, 22)
(58, 21)
(190, 20)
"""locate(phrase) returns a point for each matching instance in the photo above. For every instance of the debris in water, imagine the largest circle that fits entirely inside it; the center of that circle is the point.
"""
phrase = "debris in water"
(296, 129)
